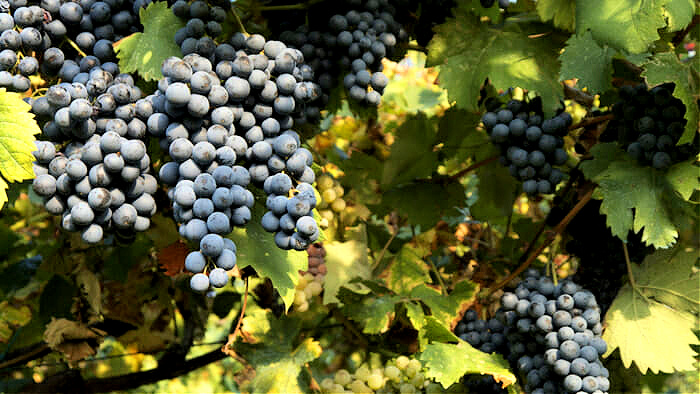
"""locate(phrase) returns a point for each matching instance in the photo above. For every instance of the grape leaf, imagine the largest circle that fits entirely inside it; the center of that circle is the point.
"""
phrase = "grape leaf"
(459, 138)
(256, 248)
(652, 321)
(630, 25)
(496, 193)
(172, 258)
(412, 155)
(345, 261)
(447, 363)
(434, 331)
(561, 12)
(584, 59)
(144, 52)
(407, 270)
(374, 312)
(281, 376)
(679, 13)
(620, 180)
(428, 203)
(506, 58)
(11, 317)
(75, 340)
(17, 130)
(448, 309)
(665, 67)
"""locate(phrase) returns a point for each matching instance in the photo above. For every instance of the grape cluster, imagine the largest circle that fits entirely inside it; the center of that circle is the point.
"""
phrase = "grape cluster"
(501, 3)
(400, 375)
(602, 268)
(648, 123)
(227, 126)
(350, 46)
(550, 335)
(100, 180)
(31, 35)
(311, 282)
(203, 26)
(530, 145)
(332, 202)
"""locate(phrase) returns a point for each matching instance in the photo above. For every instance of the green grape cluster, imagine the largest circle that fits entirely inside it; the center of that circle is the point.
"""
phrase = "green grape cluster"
(311, 282)
(400, 375)
(332, 202)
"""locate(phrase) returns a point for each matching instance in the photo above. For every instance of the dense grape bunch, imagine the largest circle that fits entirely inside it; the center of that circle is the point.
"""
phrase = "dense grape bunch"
(33, 37)
(100, 180)
(203, 25)
(648, 124)
(350, 46)
(602, 268)
(399, 375)
(550, 334)
(311, 282)
(530, 145)
(227, 126)
(332, 202)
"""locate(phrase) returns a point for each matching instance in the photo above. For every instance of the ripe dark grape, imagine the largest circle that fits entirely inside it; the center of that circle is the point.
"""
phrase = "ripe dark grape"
(648, 124)
(529, 145)
(549, 357)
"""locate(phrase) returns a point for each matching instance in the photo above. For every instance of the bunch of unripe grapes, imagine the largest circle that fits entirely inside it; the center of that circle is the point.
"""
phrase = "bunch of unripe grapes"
(100, 179)
(332, 202)
(648, 124)
(530, 145)
(311, 282)
(400, 375)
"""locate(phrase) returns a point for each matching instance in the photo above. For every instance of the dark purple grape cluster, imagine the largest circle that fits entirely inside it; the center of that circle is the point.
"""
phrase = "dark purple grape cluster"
(33, 36)
(228, 126)
(648, 123)
(550, 334)
(203, 25)
(349, 44)
(531, 146)
(100, 181)
(501, 3)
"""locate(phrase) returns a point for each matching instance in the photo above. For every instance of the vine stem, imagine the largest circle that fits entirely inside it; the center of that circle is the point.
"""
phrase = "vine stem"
(288, 7)
(550, 238)
(228, 347)
(628, 263)
(385, 248)
(591, 121)
(439, 277)
(238, 21)
(473, 167)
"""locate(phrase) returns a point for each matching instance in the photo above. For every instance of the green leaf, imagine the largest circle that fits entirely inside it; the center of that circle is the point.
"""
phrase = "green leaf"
(407, 270)
(345, 261)
(10, 317)
(620, 180)
(428, 203)
(630, 25)
(652, 321)
(434, 331)
(447, 363)
(414, 312)
(446, 309)
(665, 67)
(459, 137)
(282, 376)
(584, 59)
(256, 248)
(561, 12)
(374, 312)
(507, 58)
(496, 190)
(412, 155)
(679, 13)
(17, 130)
(144, 52)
